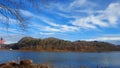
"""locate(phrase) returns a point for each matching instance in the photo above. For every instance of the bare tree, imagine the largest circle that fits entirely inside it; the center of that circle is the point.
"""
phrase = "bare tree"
(10, 8)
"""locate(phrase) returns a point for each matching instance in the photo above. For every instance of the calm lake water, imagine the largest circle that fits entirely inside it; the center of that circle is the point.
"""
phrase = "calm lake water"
(109, 59)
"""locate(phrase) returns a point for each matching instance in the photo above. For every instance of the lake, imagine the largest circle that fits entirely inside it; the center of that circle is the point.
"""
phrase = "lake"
(109, 59)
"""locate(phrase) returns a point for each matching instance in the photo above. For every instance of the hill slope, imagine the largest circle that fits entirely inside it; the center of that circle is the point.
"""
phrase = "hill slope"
(54, 44)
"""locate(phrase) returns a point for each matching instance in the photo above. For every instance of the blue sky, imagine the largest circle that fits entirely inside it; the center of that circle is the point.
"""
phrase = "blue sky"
(69, 20)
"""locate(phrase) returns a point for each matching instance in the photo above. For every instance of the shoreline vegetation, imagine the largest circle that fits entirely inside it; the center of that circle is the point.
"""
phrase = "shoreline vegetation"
(58, 45)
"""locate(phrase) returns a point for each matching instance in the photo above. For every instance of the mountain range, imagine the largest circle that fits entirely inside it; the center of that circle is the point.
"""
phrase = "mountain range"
(54, 44)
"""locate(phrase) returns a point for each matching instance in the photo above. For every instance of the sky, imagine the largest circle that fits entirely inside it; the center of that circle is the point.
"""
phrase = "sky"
(68, 20)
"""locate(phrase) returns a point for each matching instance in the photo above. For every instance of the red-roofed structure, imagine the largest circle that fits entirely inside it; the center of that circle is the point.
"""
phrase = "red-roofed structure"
(2, 42)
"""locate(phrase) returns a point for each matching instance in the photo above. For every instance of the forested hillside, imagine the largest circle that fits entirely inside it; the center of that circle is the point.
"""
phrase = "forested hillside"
(54, 44)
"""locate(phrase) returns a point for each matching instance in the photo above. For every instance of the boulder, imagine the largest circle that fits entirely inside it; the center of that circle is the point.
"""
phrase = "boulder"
(6, 66)
(27, 66)
(43, 66)
(26, 62)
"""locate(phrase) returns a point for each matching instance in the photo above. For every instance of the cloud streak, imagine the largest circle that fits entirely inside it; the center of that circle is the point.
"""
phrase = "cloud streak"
(106, 37)
(53, 27)
(73, 17)
(107, 17)
(43, 33)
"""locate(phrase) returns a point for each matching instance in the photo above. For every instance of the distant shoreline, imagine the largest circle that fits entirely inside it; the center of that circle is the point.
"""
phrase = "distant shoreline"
(56, 51)
(58, 45)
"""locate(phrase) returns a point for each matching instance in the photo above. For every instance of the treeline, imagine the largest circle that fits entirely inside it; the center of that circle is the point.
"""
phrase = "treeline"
(54, 44)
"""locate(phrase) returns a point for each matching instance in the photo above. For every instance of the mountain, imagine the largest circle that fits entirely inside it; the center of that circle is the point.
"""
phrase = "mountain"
(115, 42)
(54, 44)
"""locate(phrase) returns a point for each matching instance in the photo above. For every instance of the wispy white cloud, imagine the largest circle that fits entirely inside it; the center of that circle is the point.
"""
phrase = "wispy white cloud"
(9, 20)
(73, 6)
(111, 14)
(66, 15)
(106, 17)
(26, 13)
(53, 27)
(48, 21)
(83, 23)
(57, 27)
(62, 28)
(106, 37)
(46, 33)
(9, 25)
(80, 15)
(50, 29)
(78, 2)
(9, 30)
(65, 28)
(81, 4)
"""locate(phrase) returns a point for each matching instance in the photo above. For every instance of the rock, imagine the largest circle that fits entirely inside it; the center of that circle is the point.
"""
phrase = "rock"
(27, 66)
(43, 66)
(6, 66)
(25, 62)
(11, 63)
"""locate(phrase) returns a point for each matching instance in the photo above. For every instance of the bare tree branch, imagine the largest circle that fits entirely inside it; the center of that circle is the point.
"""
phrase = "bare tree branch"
(11, 8)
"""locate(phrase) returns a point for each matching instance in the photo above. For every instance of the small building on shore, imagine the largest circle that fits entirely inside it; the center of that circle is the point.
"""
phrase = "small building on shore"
(2, 42)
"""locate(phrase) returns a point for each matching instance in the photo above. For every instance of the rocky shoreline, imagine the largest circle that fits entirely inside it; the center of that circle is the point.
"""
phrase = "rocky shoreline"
(23, 64)
(29, 64)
